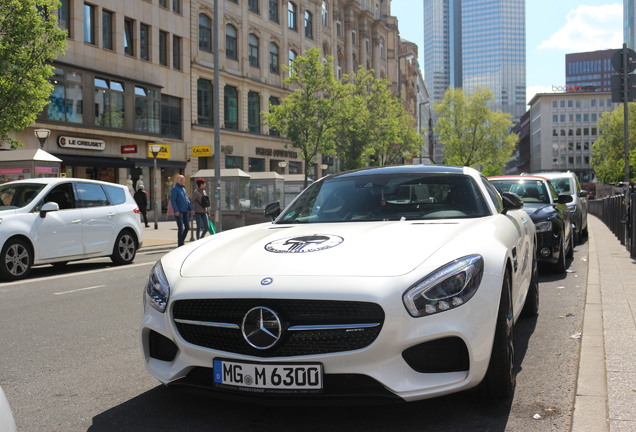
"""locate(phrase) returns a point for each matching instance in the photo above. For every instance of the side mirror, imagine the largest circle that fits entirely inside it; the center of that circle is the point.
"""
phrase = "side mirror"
(511, 201)
(583, 193)
(49, 207)
(564, 199)
(273, 210)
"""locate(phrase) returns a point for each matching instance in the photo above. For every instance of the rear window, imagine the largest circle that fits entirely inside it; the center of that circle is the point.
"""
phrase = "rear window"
(116, 194)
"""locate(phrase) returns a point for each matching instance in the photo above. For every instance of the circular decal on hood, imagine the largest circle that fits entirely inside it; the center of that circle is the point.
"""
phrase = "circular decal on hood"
(303, 244)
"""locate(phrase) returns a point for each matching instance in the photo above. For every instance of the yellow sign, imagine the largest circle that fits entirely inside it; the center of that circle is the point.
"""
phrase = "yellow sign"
(163, 154)
(201, 151)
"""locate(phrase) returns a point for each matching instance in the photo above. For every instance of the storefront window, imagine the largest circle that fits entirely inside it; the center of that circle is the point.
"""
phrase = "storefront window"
(256, 165)
(295, 167)
(234, 162)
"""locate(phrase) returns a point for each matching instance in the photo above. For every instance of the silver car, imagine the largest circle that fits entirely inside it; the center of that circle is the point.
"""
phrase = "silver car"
(568, 183)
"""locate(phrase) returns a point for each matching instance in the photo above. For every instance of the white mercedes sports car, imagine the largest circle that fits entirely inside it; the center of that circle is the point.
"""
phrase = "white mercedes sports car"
(394, 283)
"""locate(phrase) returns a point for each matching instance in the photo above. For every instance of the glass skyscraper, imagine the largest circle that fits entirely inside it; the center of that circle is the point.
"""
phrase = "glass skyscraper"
(477, 43)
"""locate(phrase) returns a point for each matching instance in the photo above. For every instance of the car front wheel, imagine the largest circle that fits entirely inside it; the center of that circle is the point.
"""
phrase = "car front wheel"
(500, 378)
(125, 248)
(16, 260)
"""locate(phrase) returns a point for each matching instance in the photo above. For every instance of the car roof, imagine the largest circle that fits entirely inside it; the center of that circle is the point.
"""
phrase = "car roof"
(53, 180)
(557, 174)
(516, 177)
(406, 169)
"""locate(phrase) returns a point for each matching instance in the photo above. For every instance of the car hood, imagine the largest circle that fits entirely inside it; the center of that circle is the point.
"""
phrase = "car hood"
(337, 249)
(540, 212)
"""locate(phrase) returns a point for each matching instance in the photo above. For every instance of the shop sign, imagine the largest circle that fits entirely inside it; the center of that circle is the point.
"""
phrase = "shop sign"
(14, 171)
(201, 151)
(129, 149)
(47, 170)
(276, 153)
(81, 143)
(163, 154)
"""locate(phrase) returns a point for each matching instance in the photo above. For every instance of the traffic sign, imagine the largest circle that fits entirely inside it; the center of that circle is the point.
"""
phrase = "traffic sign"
(617, 60)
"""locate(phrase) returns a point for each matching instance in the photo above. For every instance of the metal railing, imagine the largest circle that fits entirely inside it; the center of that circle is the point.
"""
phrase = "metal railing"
(618, 215)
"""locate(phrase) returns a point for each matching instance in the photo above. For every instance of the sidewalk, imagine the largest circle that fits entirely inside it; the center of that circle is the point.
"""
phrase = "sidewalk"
(606, 388)
(605, 398)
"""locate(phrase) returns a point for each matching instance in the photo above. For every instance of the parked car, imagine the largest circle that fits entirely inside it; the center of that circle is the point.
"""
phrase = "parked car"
(393, 283)
(57, 220)
(7, 423)
(549, 212)
(568, 183)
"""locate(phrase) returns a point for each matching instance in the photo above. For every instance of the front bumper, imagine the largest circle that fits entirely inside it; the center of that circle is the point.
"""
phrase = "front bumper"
(409, 358)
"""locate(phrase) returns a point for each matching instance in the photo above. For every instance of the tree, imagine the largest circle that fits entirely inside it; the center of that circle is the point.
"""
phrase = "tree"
(471, 133)
(307, 116)
(29, 40)
(608, 151)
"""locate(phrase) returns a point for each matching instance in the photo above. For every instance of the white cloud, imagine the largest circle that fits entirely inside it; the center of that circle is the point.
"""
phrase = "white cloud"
(589, 28)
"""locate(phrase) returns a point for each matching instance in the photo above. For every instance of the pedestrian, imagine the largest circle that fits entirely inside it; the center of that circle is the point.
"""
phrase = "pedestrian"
(182, 208)
(201, 203)
(142, 202)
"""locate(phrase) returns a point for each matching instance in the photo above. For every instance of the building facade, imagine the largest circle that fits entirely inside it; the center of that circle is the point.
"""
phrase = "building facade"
(141, 73)
(589, 71)
(563, 127)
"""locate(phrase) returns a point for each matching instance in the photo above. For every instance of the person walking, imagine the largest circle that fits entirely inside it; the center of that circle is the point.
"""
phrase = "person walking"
(201, 203)
(182, 208)
(142, 202)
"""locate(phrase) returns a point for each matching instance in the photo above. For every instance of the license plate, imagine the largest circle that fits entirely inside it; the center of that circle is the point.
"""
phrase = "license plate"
(268, 377)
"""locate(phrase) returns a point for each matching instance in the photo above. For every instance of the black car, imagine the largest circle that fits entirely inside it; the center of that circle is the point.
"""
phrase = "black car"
(548, 211)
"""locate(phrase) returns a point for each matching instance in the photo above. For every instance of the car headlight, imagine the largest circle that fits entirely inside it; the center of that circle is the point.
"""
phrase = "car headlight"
(543, 226)
(572, 209)
(446, 288)
(157, 288)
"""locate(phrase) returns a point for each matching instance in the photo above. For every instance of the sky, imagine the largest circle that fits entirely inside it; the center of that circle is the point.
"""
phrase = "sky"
(554, 28)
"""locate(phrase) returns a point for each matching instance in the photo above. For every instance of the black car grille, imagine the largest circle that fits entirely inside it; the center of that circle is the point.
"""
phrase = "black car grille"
(357, 325)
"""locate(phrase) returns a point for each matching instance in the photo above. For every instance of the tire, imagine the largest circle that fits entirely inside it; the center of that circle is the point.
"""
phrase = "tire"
(125, 248)
(500, 380)
(560, 266)
(16, 260)
(531, 305)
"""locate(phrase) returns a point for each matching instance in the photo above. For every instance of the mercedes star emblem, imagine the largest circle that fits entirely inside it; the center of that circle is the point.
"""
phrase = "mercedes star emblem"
(261, 327)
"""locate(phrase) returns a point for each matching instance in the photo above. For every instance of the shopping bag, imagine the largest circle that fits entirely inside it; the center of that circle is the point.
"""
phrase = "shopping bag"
(211, 227)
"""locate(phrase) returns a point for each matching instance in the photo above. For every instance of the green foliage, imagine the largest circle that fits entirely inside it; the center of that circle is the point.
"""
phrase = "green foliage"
(29, 40)
(307, 116)
(471, 133)
(608, 151)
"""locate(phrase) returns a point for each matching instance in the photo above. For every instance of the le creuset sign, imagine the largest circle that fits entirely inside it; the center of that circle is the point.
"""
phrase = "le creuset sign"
(81, 143)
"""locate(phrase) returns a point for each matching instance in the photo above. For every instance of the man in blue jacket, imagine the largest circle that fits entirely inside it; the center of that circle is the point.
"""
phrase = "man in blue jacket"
(182, 208)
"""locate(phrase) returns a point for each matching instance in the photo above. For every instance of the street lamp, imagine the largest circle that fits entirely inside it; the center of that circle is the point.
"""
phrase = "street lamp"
(155, 149)
(42, 135)
(282, 165)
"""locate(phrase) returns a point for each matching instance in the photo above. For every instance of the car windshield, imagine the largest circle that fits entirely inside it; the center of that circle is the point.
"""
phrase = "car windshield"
(18, 195)
(563, 185)
(382, 197)
(530, 191)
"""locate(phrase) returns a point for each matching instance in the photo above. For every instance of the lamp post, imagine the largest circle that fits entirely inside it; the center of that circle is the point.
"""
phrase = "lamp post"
(42, 135)
(282, 165)
(155, 149)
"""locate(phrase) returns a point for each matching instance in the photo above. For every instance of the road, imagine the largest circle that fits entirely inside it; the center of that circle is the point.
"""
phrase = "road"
(70, 361)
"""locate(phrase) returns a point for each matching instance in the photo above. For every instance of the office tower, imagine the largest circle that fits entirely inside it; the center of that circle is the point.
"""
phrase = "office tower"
(629, 14)
(589, 71)
(477, 43)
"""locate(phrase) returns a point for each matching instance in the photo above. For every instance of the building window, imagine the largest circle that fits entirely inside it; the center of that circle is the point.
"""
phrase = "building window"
(234, 162)
(89, 23)
(109, 103)
(252, 6)
(107, 29)
(170, 117)
(63, 17)
(253, 50)
(295, 167)
(256, 165)
(176, 52)
(231, 43)
(309, 25)
(147, 109)
(66, 101)
(163, 3)
(253, 112)
(292, 57)
(144, 41)
(291, 16)
(325, 14)
(129, 41)
(230, 107)
(205, 33)
(163, 48)
(204, 102)
(273, 101)
(273, 58)
(273, 10)
(176, 6)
